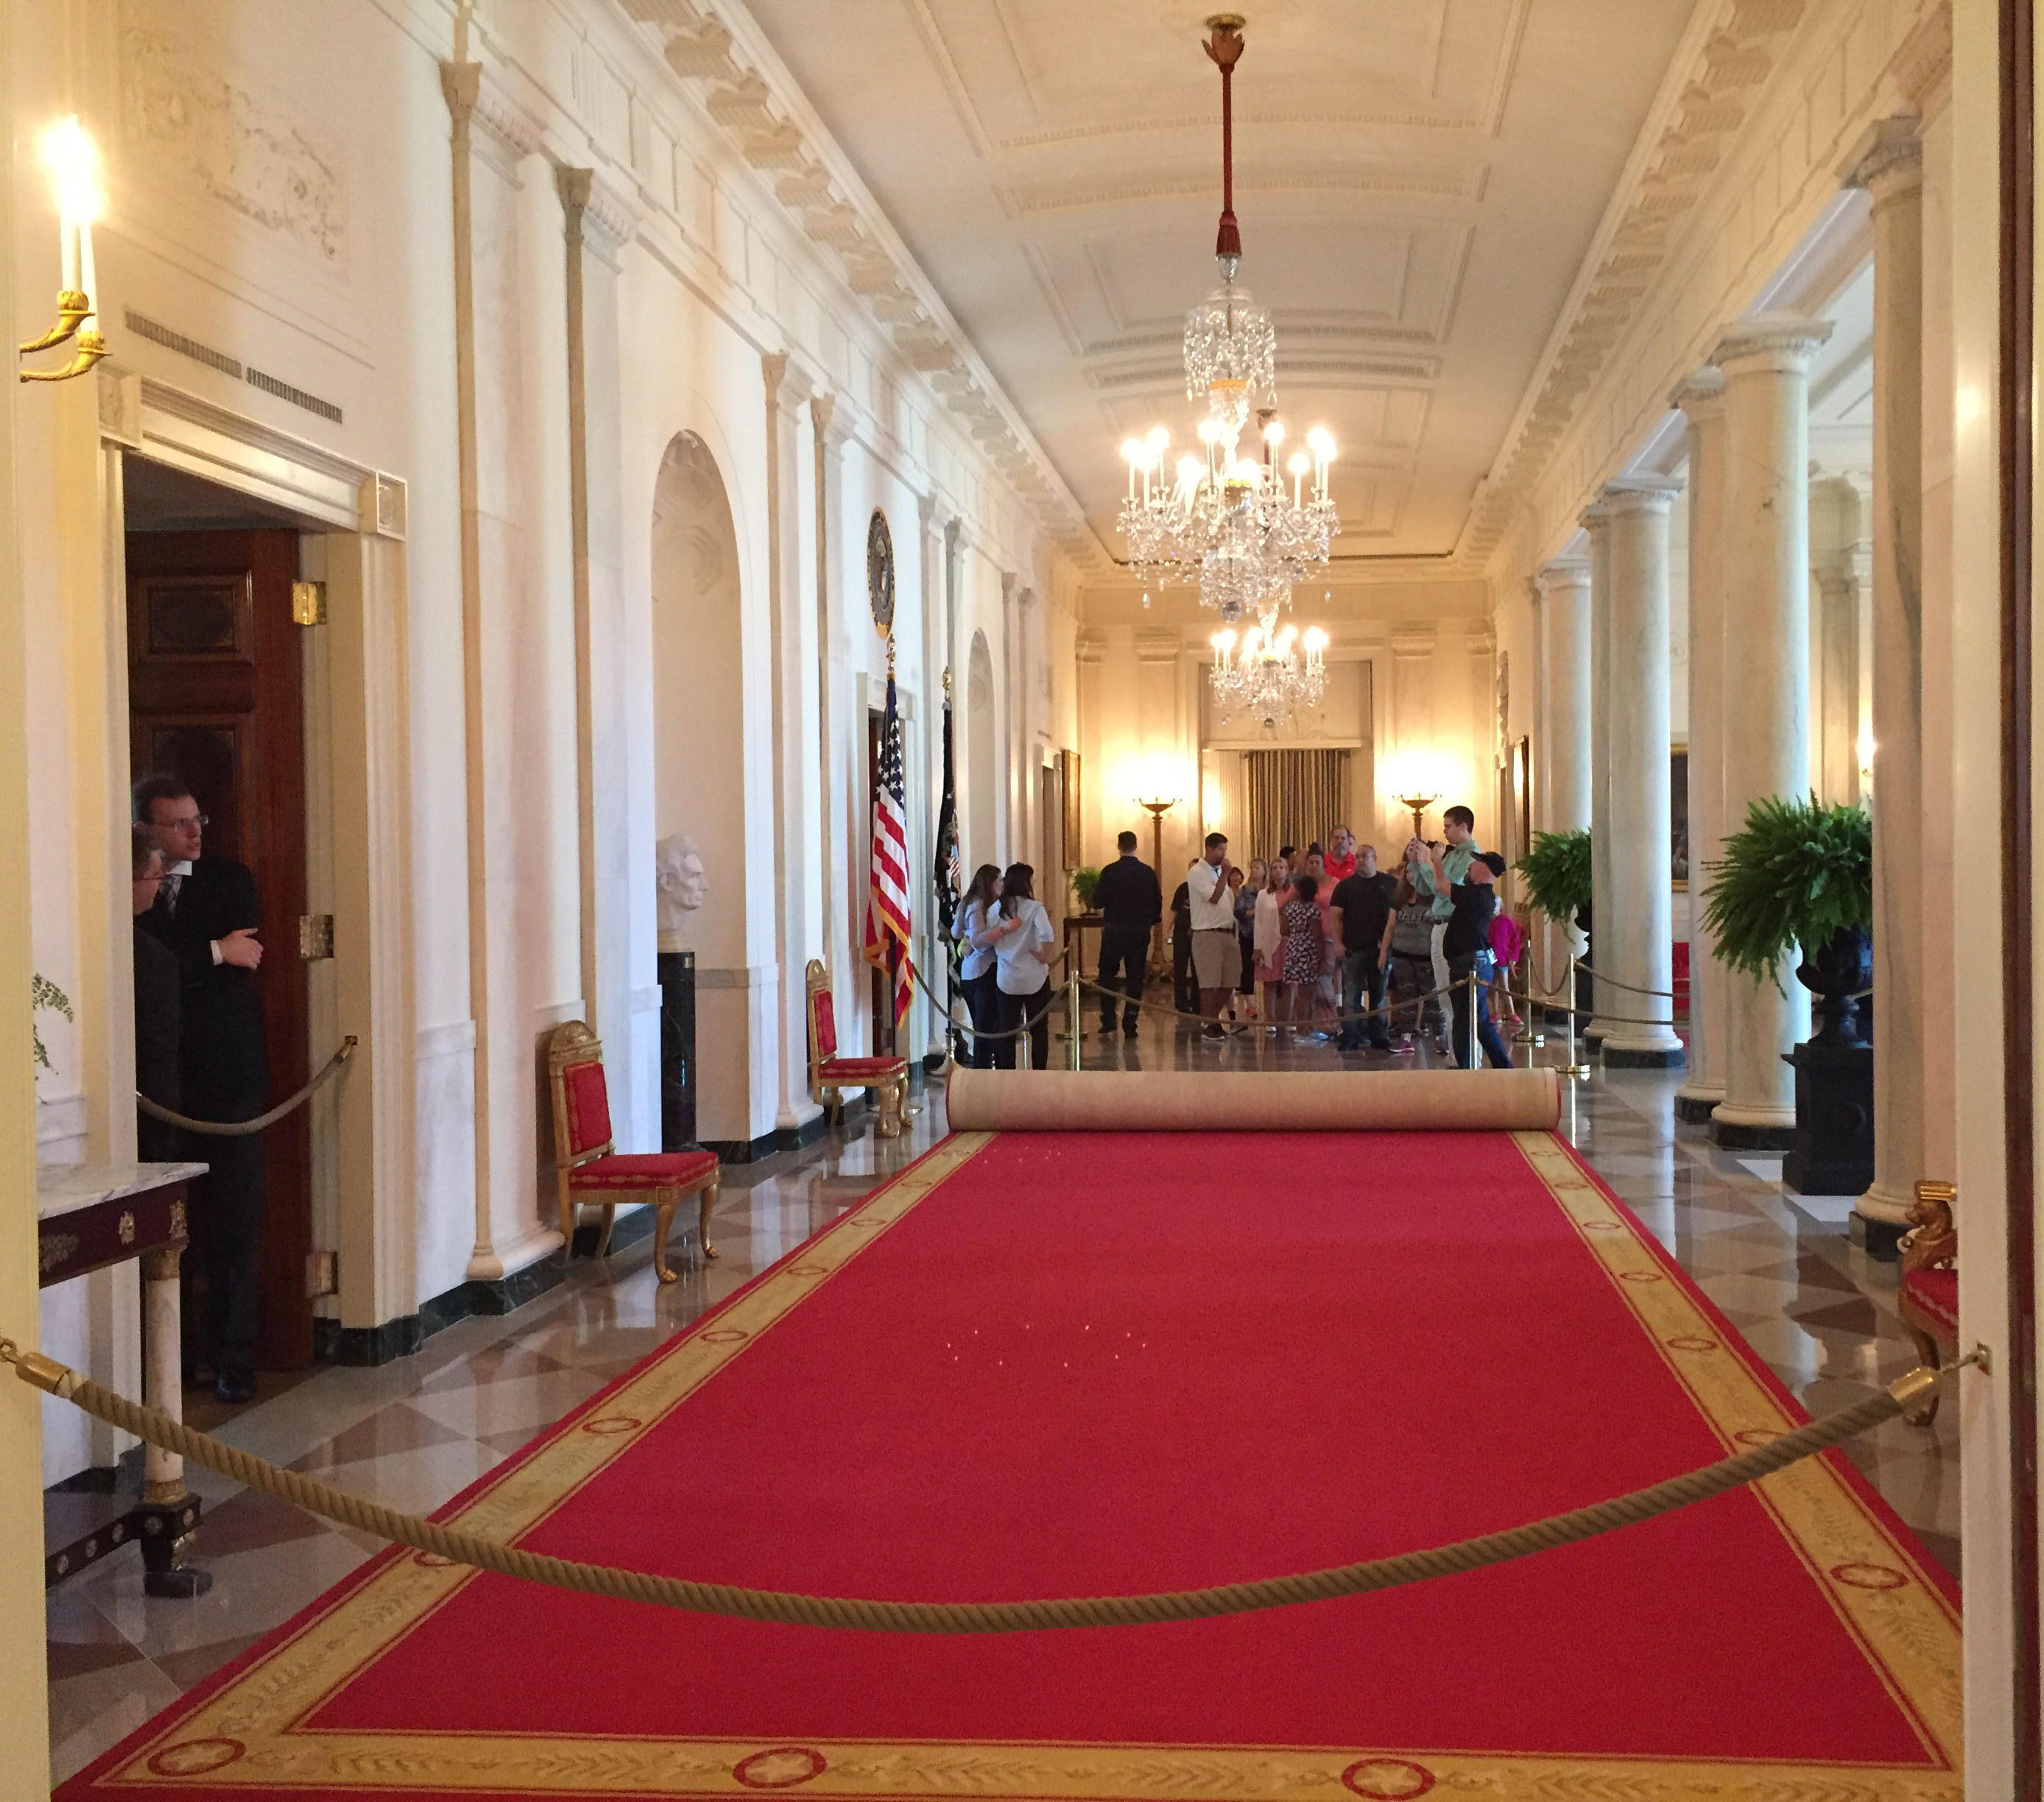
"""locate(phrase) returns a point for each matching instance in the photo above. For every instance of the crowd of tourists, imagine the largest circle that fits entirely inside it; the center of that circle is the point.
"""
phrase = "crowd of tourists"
(1301, 945)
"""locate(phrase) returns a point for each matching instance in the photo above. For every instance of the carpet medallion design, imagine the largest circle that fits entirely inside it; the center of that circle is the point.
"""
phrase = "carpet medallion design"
(928, 1399)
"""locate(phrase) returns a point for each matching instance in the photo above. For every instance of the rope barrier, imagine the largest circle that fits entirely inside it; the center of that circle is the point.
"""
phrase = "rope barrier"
(242, 1128)
(966, 1025)
(736, 1602)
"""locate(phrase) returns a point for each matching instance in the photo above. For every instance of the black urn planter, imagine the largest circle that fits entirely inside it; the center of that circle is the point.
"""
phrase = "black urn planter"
(1833, 1153)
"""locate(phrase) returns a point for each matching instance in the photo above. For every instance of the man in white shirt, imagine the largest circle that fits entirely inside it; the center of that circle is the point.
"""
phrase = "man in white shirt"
(1216, 950)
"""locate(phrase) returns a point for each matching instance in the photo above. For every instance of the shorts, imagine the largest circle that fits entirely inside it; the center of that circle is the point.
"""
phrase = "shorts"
(1217, 958)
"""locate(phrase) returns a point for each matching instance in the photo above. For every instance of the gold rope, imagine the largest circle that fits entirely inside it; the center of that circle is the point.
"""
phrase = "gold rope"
(737, 1603)
(241, 1128)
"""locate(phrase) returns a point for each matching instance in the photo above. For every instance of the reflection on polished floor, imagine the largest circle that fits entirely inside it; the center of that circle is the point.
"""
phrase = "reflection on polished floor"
(413, 1433)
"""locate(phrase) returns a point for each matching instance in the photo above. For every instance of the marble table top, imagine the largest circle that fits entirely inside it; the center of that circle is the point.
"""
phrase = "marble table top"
(64, 1188)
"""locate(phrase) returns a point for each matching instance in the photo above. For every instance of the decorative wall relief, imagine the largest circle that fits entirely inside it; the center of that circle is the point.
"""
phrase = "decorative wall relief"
(244, 149)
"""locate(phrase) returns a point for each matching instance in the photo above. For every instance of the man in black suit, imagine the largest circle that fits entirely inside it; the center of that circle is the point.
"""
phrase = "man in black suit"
(158, 982)
(206, 912)
(1130, 903)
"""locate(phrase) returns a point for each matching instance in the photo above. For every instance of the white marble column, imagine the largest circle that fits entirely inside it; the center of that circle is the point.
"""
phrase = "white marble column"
(1597, 522)
(1888, 163)
(1564, 801)
(1636, 948)
(1701, 399)
(841, 767)
(1766, 366)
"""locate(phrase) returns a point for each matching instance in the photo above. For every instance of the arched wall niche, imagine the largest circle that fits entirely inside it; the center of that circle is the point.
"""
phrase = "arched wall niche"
(982, 775)
(698, 739)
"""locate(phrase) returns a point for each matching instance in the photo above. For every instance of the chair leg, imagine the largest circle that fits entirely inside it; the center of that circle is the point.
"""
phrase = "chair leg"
(663, 1219)
(603, 1238)
(1927, 1349)
(702, 1222)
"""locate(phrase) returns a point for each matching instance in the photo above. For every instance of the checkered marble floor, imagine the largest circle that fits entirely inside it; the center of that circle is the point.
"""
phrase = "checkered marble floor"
(413, 1433)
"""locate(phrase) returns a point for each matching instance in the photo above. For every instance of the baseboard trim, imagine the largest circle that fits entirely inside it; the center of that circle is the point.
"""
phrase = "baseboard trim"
(1674, 1058)
(1735, 1137)
(1694, 1110)
(368, 1346)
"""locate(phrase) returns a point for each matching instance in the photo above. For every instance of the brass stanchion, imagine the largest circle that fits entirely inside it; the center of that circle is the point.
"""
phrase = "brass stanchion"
(1529, 1033)
(1072, 1018)
(1475, 1054)
(1572, 1067)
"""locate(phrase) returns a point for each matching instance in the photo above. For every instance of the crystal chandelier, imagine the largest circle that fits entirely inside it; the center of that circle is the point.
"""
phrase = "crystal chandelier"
(1222, 518)
(1262, 675)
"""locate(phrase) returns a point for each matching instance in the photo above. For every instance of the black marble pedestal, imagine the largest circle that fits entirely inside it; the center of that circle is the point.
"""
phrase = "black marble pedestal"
(678, 1050)
(1833, 1152)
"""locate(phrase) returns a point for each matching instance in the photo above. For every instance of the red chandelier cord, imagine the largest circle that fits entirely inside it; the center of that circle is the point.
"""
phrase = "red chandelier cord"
(1225, 46)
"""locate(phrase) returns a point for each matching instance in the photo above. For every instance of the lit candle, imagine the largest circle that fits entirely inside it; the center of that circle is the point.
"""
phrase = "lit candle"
(88, 276)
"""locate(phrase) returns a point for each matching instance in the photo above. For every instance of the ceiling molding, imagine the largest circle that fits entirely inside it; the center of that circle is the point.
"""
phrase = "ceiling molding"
(1712, 89)
(715, 47)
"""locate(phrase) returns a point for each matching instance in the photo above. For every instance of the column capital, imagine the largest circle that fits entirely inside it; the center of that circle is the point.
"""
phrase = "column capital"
(1782, 341)
(788, 384)
(1700, 393)
(834, 424)
(935, 511)
(1594, 518)
(598, 214)
(1090, 648)
(1563, 573)
(1887, 160)
(1633, 496)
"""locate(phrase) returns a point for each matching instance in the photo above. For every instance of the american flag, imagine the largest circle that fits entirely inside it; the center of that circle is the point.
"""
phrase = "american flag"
(887, 926)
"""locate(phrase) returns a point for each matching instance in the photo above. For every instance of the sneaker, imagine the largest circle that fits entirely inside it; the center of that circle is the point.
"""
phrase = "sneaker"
(235, 1383)
(1212, 1030)
(1128, 1031)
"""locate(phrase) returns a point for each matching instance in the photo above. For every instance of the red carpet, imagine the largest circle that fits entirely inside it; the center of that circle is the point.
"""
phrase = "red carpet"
(1052, 1365)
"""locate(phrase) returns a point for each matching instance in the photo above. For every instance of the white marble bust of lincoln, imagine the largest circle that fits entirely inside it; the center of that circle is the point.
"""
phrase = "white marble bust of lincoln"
(682, 885)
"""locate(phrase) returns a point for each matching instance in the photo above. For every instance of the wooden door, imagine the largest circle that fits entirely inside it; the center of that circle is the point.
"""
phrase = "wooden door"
(215, 695)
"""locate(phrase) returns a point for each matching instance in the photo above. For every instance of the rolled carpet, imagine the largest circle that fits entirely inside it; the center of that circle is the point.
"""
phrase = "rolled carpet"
(1252, 1101)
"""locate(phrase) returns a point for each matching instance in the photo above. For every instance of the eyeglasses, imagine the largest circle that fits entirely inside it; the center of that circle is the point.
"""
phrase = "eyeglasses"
(191, 823)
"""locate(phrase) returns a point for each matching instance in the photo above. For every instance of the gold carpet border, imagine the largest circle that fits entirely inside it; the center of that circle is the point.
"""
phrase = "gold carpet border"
(250, 1734)
(1909, 1632)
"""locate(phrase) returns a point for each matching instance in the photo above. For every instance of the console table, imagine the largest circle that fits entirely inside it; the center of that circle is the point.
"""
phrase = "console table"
(88, 1216)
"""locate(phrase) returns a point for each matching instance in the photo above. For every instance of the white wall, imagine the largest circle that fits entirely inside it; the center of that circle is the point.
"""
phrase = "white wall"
(280, 190)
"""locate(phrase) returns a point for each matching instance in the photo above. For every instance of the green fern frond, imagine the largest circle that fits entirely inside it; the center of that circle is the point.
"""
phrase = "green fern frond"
(1797, 873)
(1557, 873)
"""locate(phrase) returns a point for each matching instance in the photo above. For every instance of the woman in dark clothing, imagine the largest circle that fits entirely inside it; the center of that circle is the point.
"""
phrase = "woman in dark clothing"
(976, 961)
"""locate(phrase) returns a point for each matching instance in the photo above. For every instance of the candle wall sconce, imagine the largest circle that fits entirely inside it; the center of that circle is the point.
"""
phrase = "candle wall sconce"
(73, 161)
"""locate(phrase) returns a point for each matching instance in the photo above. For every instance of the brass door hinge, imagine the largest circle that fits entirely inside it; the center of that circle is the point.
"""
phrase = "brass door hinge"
(309, 604)
(315, 937)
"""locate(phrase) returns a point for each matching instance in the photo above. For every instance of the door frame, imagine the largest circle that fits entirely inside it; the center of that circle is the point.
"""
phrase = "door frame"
(352, 520)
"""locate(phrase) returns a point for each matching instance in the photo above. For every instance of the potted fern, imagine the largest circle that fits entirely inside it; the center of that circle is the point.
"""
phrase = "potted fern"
(1557, 875)
(1085, 879)
(1799, 875)
(1557, 870)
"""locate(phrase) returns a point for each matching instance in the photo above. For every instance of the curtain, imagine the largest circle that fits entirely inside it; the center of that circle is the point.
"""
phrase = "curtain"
(1294, 798)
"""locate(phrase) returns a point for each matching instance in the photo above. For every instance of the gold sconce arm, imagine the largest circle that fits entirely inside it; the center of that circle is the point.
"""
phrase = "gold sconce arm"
(72, 308)
(91, 347)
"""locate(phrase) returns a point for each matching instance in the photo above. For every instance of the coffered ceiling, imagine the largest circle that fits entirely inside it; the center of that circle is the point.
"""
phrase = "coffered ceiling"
(1418, 182)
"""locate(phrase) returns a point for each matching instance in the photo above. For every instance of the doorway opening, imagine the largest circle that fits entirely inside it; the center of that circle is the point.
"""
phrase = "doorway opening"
(217, 698)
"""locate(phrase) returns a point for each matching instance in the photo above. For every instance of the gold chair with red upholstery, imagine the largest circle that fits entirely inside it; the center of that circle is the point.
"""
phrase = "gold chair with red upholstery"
(1928, 1299)
(593, 1174)
(830, 1074)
